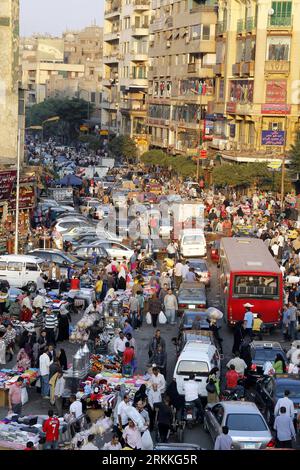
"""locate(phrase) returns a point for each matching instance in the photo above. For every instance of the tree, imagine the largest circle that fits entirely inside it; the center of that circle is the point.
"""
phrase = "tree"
(123, 147)
(72, 113)
(182, 165)
(94, 141)
(294, 155)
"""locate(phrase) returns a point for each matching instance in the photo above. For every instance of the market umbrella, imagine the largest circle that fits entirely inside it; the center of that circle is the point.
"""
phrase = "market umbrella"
(70, 180)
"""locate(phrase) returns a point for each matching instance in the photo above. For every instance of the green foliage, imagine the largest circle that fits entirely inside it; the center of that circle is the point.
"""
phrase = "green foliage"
(294, 155)
(248, 175)
(72, 112)
(180, 164)
(94, 141)
(123, 147)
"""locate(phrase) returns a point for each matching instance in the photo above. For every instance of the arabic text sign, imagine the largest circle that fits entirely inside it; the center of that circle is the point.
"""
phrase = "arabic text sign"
(7, 179)
(273, 138)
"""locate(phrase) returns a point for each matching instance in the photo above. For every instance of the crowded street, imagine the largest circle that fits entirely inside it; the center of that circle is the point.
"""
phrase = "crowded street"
(144, 311)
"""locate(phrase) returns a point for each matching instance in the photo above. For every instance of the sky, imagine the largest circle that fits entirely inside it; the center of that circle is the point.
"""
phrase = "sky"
(55, 16)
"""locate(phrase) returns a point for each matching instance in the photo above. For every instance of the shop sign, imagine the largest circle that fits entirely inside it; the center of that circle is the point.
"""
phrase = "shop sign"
(275, 108)
(26, 199)
(276, 91)
(273, 138)
(103, 132)
(230, 107)
(7, 179)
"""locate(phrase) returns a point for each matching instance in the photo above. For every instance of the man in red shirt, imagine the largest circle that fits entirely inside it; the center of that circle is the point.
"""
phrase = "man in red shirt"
(232, 378)
(51, 428)
(128, 356)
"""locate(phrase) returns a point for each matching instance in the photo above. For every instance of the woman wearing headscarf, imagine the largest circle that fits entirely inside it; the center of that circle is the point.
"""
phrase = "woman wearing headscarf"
(64, 318)
(23, 360)
(62, 358)
(279, 364)
(121, 280)
(140, 394)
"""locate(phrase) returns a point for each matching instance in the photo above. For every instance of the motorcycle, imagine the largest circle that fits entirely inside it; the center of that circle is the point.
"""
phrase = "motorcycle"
(190, 414)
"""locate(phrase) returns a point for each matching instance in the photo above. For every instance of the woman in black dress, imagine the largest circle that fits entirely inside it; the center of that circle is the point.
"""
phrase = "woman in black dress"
(238, 336)
(62, 359)
(64, 318)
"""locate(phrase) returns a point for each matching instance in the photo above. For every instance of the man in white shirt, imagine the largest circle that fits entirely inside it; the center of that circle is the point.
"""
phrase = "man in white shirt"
(154, 396)
(132, 436)
(58, 393)
(178, 274)
(39, 301)
(287, 403)
(90, 444)
(44, 366)
(158, 379)
(240, 364)
(185, 269)
(122, 415)
(76, 406)
(120, 344)
(191, 394)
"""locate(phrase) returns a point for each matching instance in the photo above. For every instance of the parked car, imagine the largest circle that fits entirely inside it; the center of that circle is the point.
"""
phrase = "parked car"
(270, 389)
(201, 269)
(189, 316)
(247, 426)
(85, 252)
(63, 260)
(65, 225)
(20, 270)
(261, 352)
(115, 249)
(171, 446)
(205, 336)
(191, 295)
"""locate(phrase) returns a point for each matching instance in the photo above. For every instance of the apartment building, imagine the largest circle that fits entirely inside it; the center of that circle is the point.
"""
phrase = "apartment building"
(181, 77)
(9, 80)
(256, 111)
(125, 68)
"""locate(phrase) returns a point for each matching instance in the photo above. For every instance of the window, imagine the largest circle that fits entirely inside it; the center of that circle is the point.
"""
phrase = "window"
(127, 22)
(196, 31)
(245, 422)
(2, 265)
(31, 267)
(206, 32)
(278, 48)
(275, 126)
(13, 266)
(199, 368)
(282, 14)
(93, 97)
(256, 286)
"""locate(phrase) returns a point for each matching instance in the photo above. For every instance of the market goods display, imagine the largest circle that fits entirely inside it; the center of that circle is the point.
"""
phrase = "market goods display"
(99, 363)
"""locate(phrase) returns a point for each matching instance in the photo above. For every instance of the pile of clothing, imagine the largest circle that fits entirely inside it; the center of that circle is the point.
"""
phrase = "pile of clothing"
(101, 363)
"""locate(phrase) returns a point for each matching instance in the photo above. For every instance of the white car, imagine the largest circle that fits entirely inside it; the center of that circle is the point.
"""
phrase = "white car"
(53, 203)
(65, 225)
(115, 249)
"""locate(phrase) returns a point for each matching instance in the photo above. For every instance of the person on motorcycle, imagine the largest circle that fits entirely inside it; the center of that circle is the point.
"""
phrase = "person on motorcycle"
(232, 379)
(191, 395)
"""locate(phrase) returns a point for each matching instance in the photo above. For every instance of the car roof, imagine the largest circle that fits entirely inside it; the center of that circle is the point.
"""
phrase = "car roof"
(240, 407)
(266, 345)
(49, 250)
(21, 258)
(197, 346)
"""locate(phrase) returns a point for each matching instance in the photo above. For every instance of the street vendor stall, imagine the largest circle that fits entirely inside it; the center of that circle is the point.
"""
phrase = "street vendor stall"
(9, 376)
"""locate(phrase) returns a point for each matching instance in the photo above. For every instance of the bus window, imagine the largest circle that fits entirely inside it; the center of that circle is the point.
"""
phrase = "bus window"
(256, 286)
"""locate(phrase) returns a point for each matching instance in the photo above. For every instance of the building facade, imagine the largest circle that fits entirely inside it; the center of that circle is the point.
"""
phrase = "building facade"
(256, 110)
(9, 80)
(181, 79)
(125, 68)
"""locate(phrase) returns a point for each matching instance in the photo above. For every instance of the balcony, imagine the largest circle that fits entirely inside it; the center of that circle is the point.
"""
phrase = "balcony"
(113, 10)
(113, 36)
(219, 69)
(240, 26)
(143, 31)
(109, 105)
(141, 5)
(247, 68)
(138, 56)
(278, 22)
(220, 28)
(236, 69)
(277, 66)
(133, 105)
(111, 58)
(201, 72)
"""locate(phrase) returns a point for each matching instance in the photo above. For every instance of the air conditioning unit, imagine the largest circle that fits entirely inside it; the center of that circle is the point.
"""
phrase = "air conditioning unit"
(168, 43)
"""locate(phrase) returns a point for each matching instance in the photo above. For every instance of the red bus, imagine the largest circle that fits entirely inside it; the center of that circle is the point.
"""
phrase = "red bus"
(249, 274)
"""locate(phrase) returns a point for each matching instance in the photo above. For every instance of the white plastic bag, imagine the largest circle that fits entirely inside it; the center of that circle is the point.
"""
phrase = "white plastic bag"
(148, 318)
(135, 416)
(162, 319)
(147, 443)
(24, 395)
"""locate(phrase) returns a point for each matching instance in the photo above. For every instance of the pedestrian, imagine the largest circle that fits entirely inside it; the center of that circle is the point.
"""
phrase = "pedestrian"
(191, 395)
(154, 309)
(132, 436)
(2, 349)
(287, 403)
(164, 419)
(58, 391)
(171, 307)
(190, 275)
(157, 378)
(159, 358)
(51, 323)
(122, 418)
(127, 329)
(213, 386)
(239, 364)
(127, 359)
(119, 345)
(156, 341)
(285, 430)
(15, 396)
(62, 359)
(114, 444)
(51, 428)
(248, 318)
(257, 327)
(64, 319)
(238, 336)
(178, 274)
(76, 406)
(90, 443)
(285, 323)
(292, 313)
(279, 364)
(223, 441)
(141, 301)
(134, 307)
(44, 366)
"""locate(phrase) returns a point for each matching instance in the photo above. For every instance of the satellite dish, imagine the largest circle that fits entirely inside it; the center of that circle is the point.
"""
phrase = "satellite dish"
(271, 12)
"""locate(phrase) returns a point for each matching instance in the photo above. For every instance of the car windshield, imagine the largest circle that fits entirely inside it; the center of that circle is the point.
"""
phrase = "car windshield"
(190, 293)
(71, 258)
(263, 355)
(189, 318)
(193, 240)
(266, 287)
(294, 389)
(192, 367)
(198, 266)
(245, 422)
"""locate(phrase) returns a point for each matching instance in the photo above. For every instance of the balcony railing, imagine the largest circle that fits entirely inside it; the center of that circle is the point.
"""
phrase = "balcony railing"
(250, 23)
(141, 3)
(220, 27)
(240, 26)
(133, 105)
(280, 21)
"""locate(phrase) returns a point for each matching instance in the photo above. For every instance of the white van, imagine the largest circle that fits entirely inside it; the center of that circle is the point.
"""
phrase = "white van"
(192, 243)
(20, 270)
(197, 358)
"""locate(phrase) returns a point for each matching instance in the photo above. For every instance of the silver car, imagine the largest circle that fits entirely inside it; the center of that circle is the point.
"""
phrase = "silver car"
(247, 427)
